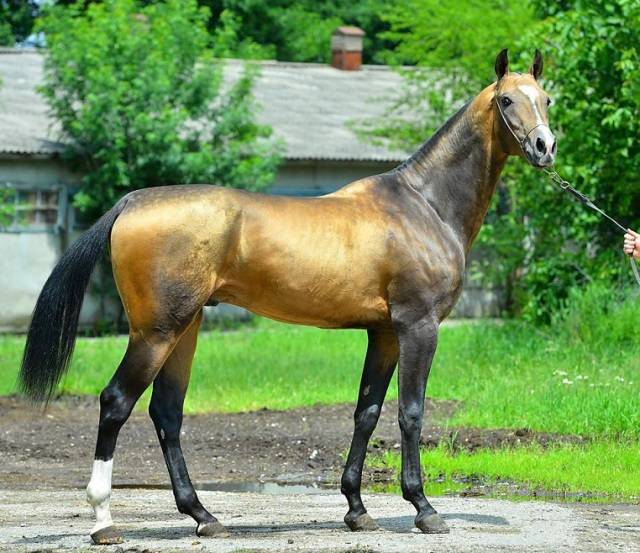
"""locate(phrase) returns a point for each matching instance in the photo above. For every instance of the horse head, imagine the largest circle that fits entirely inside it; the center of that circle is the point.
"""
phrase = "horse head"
(522, 113)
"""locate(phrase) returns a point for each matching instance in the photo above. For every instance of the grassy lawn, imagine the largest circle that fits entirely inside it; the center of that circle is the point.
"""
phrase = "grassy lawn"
(603, 469)
(266, 365)
(579, 375)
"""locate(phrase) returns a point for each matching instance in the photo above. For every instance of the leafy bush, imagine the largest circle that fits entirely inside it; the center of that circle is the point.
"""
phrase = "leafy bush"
(16, 20)
(142, 103)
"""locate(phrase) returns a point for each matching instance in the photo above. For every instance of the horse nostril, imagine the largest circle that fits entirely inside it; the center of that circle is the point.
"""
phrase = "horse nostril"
(540, 145)
(553, 148)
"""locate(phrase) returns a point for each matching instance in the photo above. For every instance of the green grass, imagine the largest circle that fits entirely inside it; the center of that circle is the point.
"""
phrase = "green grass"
(267, 365)
(580, 375)
(608, 471)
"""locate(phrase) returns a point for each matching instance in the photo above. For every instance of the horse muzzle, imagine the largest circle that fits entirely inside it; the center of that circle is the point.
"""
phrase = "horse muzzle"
(540, 147)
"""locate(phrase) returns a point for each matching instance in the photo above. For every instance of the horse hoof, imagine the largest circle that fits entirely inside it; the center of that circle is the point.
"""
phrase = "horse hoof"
(212, 530)
(361, 523)
(432, 524)
(107, 536)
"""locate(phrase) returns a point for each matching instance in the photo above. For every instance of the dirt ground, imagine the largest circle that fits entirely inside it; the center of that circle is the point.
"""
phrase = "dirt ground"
(54, 448)
(46, 456)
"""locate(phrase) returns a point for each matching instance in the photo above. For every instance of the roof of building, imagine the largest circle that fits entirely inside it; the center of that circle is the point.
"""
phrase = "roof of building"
(311, 107)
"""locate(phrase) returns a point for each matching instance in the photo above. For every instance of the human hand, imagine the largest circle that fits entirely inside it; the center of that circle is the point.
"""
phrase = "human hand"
(632, 244)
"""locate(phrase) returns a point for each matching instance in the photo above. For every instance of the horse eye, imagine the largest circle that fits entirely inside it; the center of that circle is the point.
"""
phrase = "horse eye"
(549, 101)
(506, 102)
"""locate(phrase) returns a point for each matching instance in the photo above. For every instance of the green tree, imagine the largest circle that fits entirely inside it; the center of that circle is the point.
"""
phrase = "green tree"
(300, 30)
(16, 20)
(452, 46)
(546, 242)
(142, 102)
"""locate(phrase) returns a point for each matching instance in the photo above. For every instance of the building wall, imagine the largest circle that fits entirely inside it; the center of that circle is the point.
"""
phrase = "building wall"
(308, 178)
(27, 256)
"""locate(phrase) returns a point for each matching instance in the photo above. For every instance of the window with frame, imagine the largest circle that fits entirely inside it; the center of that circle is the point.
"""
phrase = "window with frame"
(33, 208)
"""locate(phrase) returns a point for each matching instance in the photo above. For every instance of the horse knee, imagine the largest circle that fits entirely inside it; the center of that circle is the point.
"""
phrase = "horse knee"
(366, 420)
(115, 408)
(410, 419)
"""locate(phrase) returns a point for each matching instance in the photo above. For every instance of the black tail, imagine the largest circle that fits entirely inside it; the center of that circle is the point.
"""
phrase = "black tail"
(52, 333)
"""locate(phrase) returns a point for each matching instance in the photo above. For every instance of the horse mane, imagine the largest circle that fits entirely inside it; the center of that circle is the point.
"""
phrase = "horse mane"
(433, 142)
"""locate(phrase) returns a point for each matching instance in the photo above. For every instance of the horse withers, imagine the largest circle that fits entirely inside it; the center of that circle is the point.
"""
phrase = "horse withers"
(386, 254)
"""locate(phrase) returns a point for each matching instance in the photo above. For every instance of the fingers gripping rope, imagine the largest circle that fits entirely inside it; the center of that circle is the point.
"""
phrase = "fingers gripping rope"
(566, 186)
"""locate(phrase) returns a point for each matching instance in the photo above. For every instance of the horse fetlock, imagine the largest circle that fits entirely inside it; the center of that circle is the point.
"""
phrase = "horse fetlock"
(350, 482)
(99, 493)
(187, 502)
(412, 490)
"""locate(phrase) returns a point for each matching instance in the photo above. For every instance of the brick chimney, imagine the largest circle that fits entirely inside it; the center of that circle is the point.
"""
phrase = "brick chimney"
(346, 48)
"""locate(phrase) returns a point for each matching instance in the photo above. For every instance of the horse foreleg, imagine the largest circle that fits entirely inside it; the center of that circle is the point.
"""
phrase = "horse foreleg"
(418, 342)
(169, 389)
(140, 364)
(380, 361)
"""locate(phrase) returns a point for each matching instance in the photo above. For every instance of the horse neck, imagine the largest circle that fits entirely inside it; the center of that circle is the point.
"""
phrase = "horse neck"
(457, 170)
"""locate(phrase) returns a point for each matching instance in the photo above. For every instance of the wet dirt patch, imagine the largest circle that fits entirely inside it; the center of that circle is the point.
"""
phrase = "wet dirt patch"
(53, 447)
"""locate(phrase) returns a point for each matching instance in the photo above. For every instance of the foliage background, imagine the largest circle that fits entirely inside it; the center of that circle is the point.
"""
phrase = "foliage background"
(544, 244)
(291, 30)
(143, 102)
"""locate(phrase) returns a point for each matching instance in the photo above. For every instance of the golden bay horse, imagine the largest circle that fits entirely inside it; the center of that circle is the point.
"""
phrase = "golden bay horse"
(385, 253)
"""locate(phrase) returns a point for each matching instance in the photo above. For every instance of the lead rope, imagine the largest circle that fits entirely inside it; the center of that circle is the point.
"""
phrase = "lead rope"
(564, 185)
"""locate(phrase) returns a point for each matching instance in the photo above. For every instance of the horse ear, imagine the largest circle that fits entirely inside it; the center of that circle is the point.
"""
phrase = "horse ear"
(502, 64)
(536, 66)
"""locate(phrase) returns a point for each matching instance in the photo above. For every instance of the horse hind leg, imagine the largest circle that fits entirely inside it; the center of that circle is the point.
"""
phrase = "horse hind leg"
(169, 389)
(142, 361)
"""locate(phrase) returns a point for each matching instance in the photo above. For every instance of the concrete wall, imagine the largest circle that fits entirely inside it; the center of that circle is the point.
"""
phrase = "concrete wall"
(26, 261)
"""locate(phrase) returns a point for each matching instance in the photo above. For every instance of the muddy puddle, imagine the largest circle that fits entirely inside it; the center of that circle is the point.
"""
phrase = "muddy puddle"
(267, 488)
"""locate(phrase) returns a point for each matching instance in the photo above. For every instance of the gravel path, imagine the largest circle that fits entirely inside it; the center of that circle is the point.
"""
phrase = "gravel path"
(312, 522)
